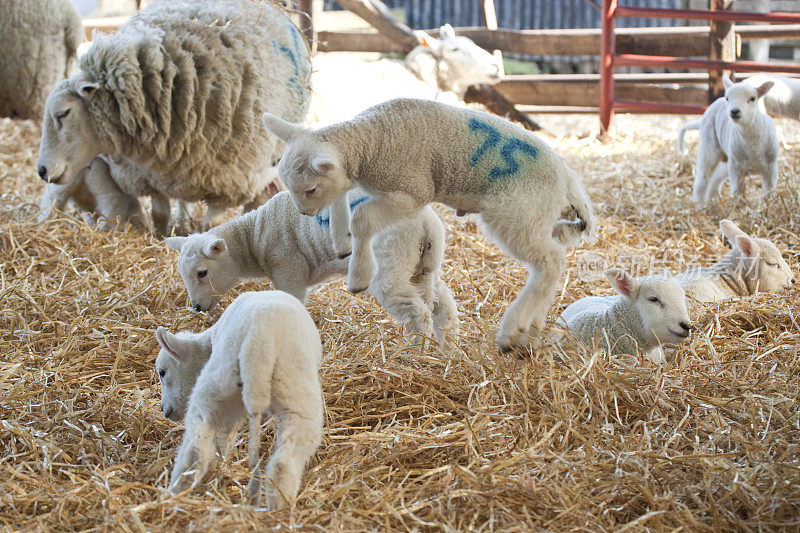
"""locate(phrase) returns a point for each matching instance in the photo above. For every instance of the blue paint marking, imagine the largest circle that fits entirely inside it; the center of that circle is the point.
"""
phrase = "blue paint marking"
(510, 146)
(324, 218)
(292, 54)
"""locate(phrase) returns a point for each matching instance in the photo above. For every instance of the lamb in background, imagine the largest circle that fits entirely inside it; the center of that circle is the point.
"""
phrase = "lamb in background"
(296, 252)
(262, 356)
(38, 43)
(754, 265)
(646, 313)
(408, 153)
(191, 118)
(736, 139)
(783, 99)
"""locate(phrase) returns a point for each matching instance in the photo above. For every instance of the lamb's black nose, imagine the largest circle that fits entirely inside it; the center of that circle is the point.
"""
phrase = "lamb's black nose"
(686, 326)
(42, 170)
(169, 412)
(197, 307)
(736, 113)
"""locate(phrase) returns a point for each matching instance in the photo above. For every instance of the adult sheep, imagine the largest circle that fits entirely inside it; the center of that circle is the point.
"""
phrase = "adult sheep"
(38, 43)
(179, 90)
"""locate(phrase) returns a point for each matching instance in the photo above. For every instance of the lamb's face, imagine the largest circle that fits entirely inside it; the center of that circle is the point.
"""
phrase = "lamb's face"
(662, 306)
(178, 364)
(769, 271)
(313, 173)
(69, 141)
(206, 267)
(468, 63)
(742, 100)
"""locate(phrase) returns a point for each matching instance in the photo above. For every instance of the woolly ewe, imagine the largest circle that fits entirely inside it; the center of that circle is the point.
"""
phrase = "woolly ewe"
(262, 356)
(178, 90)
(754, 265)
(408, 153)
(736, 139)
(296, 252)
(647, 313)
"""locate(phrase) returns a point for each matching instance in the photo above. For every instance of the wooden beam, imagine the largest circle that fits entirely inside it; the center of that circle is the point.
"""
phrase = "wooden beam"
(306, 22)
(769, 31)
(378, 15)
(722, 47)
(490, 19)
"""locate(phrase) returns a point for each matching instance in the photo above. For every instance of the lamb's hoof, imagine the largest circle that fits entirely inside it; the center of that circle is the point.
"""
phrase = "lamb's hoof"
(342, 256)
(522, 352)
(356, 290)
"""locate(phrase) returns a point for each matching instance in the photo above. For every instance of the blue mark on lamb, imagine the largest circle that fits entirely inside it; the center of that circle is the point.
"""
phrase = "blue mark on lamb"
(324, 218)
(510, 146)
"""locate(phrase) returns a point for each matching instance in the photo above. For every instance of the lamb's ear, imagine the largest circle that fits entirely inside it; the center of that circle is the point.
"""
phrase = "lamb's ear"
(622, 282)
(730, 230)
(170, 343)
(748, 246)
(447, 32)
(322, 163)
(87, 88)
(764, 87)
(176, 243)
(286, 131)
(726, 82)
(214, 248)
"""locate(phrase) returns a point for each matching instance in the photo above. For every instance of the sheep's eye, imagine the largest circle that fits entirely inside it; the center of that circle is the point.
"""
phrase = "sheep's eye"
(202, 273)
(655, 300)
(162, 373)
(62, 114)
(752, 99)
(727, 99)
(311, 192)
(771, 264)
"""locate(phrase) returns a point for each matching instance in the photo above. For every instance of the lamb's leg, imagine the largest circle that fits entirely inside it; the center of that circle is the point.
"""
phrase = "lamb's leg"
(736, 179)
(215, 215)
(403, 300)
(253, 449)
(368, 219)
(292, 278)
(194, 456)
(717, 179)
(115, 206)
(769, 179)
(54, 198)
(183, 222)
(160, 214)
(297, 438)
(705, 166)
(445, 312)
(340, 227)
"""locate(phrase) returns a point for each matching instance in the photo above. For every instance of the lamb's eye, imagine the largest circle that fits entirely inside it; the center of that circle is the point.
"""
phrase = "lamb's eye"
(752, 99)
(655, 300)
(772, 264)
(202, 273)
(311, 192)
(162, 373)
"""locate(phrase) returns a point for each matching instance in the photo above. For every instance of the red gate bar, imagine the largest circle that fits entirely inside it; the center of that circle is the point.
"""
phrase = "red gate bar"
(707, 14)
(634, 60)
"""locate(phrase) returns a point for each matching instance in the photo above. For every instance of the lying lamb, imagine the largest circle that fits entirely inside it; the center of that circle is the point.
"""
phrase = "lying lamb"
(408, 153)
(647, 313)
(262, 356)
(296, 252)
(178, 90)
(754, 265)
(736, 139)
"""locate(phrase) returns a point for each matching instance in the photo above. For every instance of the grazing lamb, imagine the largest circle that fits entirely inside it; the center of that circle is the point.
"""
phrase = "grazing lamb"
(178, 90)
(452, 63)
(647, 313)
(754, 265)
(262, 355)
(736, 139)
(408, 153)
(296, 252)
(38, 43)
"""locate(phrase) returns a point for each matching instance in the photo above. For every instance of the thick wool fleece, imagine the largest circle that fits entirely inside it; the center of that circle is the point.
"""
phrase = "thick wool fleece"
(38, 43)
(182, 89)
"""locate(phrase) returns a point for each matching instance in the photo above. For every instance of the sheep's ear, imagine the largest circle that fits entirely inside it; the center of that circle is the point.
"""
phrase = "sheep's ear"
(87, 88)
(764, 87)
(322, 163)
(170, 343)
(214, 248)
(284, 130)
(447, 32)
(726, 82)
(748, 246)
(176, 243)
(730, 230)
(622, 282)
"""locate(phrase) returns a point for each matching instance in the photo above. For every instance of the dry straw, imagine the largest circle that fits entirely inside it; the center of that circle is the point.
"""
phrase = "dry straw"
(415, 440)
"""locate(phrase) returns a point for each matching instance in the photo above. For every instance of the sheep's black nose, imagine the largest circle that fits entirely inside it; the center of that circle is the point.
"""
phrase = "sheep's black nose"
(686, 326)
(168, 412)
(197, 307)
(42, 170)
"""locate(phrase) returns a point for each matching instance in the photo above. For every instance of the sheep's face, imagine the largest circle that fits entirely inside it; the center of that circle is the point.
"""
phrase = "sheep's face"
(462, 62)
(742, 100)
(661, 305)
(206, 267)
(69, 141)
(178, 364)
(313, 173)
(760, 263)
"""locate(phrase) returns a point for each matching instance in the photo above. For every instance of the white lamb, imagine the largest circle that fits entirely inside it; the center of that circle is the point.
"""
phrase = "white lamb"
(647, 313)
(754, 265)
(296, 252)
(783, 99)
(262, 356)
(736, 139)
(408, 153)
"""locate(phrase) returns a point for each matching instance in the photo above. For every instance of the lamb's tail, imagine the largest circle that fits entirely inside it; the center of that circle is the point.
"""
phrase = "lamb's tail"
(682, 132)
(569, 232)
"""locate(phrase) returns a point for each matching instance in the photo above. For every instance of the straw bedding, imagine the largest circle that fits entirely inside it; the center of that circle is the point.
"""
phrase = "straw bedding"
(415, 439)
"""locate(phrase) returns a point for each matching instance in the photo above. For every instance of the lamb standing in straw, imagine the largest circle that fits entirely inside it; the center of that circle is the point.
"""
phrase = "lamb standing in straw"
(408, 153)
(296, 251)
(754, 265)
(179, 90)
(262, 356)
(646, 313)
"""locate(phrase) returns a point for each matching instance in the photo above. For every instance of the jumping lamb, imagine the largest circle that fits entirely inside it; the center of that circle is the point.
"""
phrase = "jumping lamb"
(736, 139)
(262, 356)
(296, 252)
(178, 90)
(647, 313)
(408, 153)
(754, 265)
(38, 43)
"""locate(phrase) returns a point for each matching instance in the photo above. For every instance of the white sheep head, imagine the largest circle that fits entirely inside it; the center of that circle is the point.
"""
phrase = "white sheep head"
(760, 263)
(178, 364)
(742, 99)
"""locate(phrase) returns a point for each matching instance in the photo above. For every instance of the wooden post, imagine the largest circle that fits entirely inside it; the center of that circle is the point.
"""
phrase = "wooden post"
(722, 47)
(306, 22)
(490, 18)
(607, 66)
